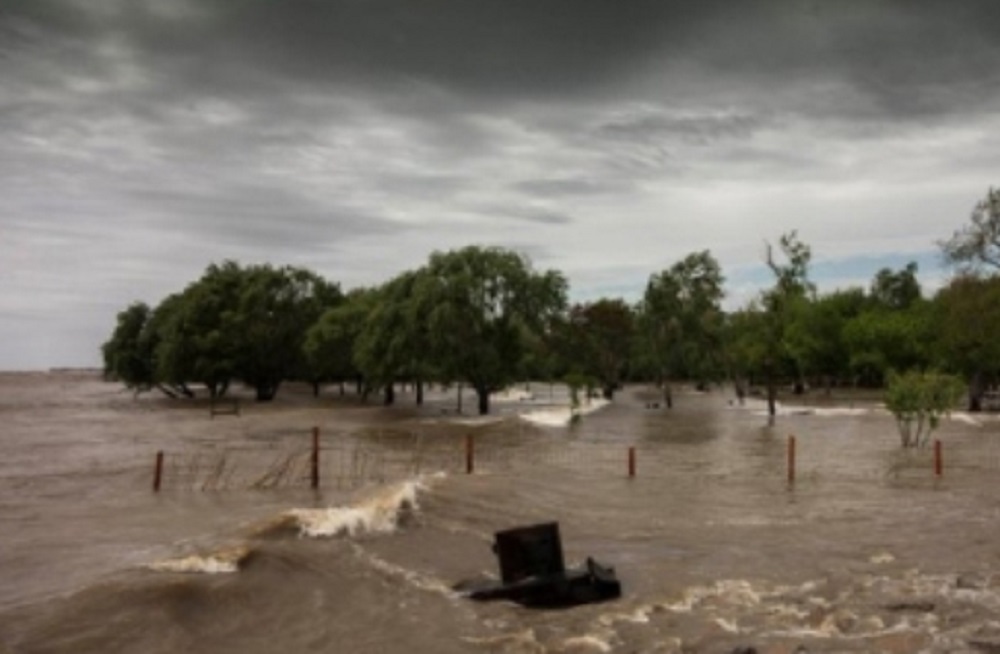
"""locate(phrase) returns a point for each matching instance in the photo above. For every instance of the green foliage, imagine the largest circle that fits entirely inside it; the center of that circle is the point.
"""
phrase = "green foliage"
(967, 324)
(394, 343)
(880, 340)
(680, 321)
(331, 341)
(918, 400)
(896, 290)
(475, 305)
(127, 355)
(596, 339)
(977, 246)
(233, 323)
(815, 334)
(782, 303)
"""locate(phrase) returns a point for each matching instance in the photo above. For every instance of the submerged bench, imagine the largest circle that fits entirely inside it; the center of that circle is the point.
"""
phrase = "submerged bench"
(533, 574)
(224, 408)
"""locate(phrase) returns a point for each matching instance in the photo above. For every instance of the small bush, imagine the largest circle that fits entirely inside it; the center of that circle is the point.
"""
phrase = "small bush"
(918, 400)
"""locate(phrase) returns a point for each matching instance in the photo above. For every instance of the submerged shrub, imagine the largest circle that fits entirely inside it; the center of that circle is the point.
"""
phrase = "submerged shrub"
(918, 400)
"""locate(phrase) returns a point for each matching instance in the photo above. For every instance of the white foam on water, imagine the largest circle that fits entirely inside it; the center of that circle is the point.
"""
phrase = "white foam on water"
(839, 412)
(961, 416)
(587, 642)
(882, 557)
(411, 577)
(521, 641)
(639, 616)
(224, 561)
(561, 416)
(378, 514)
(729, 626)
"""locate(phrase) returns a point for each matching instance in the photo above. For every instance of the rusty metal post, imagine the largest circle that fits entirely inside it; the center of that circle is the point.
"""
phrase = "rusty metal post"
(938, 459)
(631, 462)
(315, 458)
(470, 454)
(158, 472)
(791, 459)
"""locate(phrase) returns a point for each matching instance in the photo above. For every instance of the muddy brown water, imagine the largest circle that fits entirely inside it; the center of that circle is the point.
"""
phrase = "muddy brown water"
(867, 551)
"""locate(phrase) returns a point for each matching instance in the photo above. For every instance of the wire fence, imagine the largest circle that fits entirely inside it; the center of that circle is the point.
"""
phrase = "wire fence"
(347, 465)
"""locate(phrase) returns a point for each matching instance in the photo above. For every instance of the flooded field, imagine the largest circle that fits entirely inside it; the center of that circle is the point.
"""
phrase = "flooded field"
(867, 551)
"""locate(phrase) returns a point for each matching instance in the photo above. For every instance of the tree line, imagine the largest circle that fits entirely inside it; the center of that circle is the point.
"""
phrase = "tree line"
(485, 318)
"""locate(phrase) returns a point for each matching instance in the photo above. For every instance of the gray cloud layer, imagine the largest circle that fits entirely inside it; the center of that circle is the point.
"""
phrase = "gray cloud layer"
(142, 139)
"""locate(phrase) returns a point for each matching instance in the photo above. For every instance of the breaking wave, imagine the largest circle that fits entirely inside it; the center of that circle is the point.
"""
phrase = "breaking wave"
(380, 513)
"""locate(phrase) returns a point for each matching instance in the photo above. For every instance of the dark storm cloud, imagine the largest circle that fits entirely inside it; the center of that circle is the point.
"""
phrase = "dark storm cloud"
(142, 139)
(570, 187)
(249, 215)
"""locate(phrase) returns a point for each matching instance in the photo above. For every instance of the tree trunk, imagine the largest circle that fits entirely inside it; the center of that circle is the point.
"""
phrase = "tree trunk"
(484, 400)
(609, 392)
(420, 393)
(668, 395)
(342, 388)
(315, 385)
(459, 410)
(976, 392)
(266, 391)
(390, 395)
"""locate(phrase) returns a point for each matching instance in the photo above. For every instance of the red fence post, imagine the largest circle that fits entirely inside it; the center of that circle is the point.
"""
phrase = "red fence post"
(938, 459)
(470, 454)
(791, 459)
(158, 472)
(631, 461)
(315, 458)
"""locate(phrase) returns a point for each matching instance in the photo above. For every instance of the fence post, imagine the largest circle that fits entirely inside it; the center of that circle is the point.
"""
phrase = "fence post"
(631, 461)
(938, 459)
(791, 459)
(158, 472)
(315, 458)
(470, 454)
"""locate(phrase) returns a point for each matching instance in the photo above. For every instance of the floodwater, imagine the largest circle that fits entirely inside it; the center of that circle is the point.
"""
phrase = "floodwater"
(867, 551)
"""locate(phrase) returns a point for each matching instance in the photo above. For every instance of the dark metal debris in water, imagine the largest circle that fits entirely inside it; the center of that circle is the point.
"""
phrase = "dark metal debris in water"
(533, 573)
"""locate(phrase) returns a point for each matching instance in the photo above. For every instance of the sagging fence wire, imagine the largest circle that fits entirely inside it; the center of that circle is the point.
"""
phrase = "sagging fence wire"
(348, 465)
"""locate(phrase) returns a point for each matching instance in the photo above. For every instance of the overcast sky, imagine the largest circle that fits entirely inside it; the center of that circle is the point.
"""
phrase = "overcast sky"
(141, 140)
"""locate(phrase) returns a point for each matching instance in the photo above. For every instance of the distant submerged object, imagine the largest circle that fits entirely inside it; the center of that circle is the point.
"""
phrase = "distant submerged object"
(533, 573)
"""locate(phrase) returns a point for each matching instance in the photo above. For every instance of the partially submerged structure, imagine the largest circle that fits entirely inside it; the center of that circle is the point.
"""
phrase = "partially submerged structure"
(532, 572)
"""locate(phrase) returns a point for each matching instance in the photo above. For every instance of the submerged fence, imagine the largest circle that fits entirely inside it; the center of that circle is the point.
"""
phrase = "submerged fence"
(315, 462)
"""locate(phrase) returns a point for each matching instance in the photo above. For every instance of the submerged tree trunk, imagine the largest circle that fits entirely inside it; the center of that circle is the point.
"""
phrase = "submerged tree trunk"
(266, 390)
(420, 393)
(483, 395)
(389, 397)
(976, 392)
(459, 409)
(608, 392)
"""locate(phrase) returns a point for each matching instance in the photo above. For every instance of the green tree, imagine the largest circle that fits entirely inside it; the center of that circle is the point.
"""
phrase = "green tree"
(880, 340)
(816, 334)
(896, 290)
(781, 303)
(976, 246)
(918, 400)
(598, 341)
(275, 308)
(127, 356)
(680, 321)
(331, 341)
(394, 344)
(477, 303)
(967, 319)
